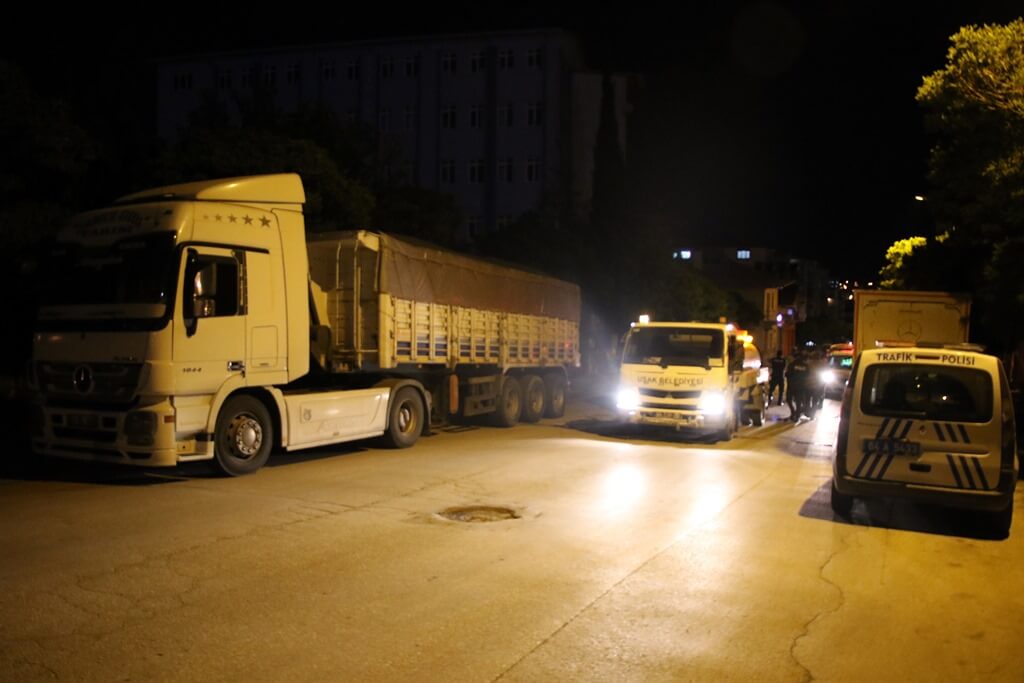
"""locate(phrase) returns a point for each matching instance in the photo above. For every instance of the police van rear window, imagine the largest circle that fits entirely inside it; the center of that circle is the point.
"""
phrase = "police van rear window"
(935, 392)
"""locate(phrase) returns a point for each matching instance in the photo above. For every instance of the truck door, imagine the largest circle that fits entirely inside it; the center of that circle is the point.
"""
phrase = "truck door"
(210, 323)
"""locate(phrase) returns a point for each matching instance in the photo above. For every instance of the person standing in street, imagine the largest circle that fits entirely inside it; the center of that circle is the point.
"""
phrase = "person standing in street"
(778, 378)
(796, 381)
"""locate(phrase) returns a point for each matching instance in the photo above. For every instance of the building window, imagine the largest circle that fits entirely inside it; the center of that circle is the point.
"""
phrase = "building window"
(534, 113)
(409, 116)
(505, 170)
(293, 74)
(473, 225)
(224, 79)
(327, 71)
(476, 62)
(534, 59)
(475, 116)
(448, 172)
(504, 221)
(448, 63)
(385, 119)
(684, 254)
(350, 115)
(387, 67)
(352, 71)
(248, 77)
(183, 81)
(476, 171)
(412, 67)
(448, 117)
(405, 172)
(505, 115)
(743, 254)
(505, 60)
(269, 75)
(532, 170)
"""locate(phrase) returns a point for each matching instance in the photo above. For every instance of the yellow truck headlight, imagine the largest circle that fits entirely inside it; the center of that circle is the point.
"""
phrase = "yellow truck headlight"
(712, 403)
(628, 398)
(827, 377)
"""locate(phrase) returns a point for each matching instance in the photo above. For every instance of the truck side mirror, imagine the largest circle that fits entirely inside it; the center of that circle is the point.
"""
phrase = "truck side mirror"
(188, 292)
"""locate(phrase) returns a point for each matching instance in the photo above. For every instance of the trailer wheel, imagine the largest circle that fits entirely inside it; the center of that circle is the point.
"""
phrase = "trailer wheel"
(534, 398)
(405, 419)
(554, 395)
(509, 405)
(244, 436)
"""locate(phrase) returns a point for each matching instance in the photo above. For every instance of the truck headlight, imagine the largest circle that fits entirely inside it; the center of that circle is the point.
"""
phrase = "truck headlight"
(712, 403)
(827, 377)
(628, 398)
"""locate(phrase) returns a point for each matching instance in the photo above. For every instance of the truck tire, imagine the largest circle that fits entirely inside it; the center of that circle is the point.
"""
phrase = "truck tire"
(757, 415)
(509, 404)
(405, 419)
(554, 395)
(534, 398)
(244, 436)
(842, 504)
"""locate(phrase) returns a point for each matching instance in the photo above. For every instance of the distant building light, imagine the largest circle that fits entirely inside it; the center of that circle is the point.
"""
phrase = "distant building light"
(778, 318)
(644, 319)
(851, 297)
(871, 284)
(919, 198)
(743, 254)
(685, 254)
(830, 300)
(789, 311)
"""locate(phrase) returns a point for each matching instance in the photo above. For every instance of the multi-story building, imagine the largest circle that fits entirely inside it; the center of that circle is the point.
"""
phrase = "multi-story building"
(496, 119)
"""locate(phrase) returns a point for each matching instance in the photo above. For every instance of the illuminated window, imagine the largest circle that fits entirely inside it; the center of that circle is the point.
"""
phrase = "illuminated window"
(743, 254)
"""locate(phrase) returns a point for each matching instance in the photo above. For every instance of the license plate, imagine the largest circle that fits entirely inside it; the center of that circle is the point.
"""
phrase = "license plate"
(891, 447)
(83, 421)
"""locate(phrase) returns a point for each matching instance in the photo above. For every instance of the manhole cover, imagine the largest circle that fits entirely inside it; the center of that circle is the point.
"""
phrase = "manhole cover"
(479, 513)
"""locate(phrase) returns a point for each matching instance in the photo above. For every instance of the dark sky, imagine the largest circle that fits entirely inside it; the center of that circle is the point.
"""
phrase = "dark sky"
(779, 124)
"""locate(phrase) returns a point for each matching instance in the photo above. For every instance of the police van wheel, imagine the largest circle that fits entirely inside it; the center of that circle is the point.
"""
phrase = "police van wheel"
(1001, 520)
(842, 504)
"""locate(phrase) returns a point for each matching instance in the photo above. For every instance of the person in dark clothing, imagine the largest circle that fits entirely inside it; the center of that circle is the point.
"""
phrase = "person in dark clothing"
(797, 378)
(778, 378)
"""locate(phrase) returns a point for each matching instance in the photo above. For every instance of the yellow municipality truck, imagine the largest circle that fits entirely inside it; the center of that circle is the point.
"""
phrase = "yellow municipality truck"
(195, 322)
(703, 376)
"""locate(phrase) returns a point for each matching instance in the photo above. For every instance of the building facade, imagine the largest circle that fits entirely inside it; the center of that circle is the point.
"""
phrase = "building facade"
(498, 120)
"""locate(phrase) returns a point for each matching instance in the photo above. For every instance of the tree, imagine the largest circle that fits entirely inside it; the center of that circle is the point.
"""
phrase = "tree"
(975, 108)
(893, 273)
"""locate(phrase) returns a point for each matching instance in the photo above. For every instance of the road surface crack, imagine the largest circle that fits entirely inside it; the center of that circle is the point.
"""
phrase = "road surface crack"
(805, 631)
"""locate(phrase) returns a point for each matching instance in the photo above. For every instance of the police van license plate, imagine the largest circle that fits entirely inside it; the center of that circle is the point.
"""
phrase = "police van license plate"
(891, 447)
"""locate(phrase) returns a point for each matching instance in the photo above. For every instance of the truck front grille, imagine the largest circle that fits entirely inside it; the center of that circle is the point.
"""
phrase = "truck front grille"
(113, 383)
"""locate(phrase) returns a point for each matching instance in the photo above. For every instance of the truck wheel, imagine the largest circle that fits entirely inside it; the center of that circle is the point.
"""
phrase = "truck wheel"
(534, 400)
(842, 504)
(757, 416)
(509, 404)
(405, 419)
(244, 436)
(554, 395)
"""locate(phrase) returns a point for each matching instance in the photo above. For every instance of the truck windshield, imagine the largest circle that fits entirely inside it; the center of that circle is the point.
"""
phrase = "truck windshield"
(135, 270)
(674, 346)
(934, 392)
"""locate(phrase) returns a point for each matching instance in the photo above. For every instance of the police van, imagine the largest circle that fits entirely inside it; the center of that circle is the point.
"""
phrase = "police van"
(931, 424)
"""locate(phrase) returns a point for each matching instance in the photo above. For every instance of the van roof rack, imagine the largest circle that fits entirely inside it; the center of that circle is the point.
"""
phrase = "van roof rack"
(953, 346)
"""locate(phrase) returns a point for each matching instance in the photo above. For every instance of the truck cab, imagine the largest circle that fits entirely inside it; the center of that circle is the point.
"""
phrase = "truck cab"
(690, 375)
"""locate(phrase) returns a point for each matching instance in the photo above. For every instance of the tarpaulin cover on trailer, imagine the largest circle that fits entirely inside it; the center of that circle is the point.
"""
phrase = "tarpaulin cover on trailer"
(422, 272)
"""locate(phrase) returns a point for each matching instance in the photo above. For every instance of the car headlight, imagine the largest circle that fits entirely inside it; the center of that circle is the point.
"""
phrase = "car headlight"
(712, 403)
(628, 398)
(827, 377)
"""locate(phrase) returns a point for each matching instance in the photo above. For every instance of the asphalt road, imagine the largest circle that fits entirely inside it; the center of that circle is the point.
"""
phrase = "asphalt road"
(629, 557)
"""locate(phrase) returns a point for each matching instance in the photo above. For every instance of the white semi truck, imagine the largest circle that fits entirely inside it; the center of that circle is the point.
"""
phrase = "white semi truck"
(195, 322)
(908, 317)
(704, 376)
